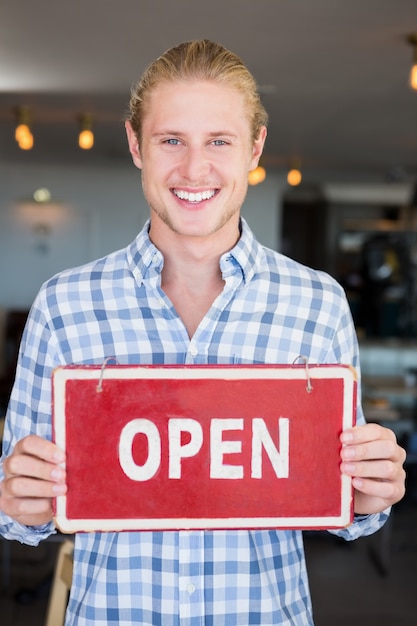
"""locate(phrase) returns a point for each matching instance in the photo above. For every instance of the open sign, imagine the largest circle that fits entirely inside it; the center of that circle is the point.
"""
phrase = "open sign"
(262, 440)
(187, 447)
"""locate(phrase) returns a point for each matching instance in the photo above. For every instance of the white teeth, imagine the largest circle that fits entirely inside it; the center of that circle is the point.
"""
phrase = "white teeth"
(194, 197)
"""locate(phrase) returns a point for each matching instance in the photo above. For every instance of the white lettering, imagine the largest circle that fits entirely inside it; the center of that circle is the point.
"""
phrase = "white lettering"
(152, 463)
(262, 439)
(177, 451)
(218, 448)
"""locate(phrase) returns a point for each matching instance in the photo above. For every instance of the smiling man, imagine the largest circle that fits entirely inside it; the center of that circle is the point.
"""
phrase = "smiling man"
(194, 287)
(195, 149)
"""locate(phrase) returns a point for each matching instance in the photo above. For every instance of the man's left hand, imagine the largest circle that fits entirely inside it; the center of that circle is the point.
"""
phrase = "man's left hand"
(372, 456)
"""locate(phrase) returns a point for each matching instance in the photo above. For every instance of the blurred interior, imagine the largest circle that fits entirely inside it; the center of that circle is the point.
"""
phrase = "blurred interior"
(334, 78)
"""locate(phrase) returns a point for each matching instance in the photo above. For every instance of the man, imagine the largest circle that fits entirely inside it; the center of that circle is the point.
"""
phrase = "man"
(194, 287)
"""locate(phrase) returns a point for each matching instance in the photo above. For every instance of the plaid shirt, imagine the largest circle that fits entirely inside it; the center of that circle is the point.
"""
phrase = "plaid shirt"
(271, 310)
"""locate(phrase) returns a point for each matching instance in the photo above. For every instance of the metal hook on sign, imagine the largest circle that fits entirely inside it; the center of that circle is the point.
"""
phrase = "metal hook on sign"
(309, 387)
(99, 387)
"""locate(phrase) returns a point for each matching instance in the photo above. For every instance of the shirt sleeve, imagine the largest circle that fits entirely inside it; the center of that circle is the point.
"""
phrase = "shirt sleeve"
(29, 410)
(363, 525)
(346, 350)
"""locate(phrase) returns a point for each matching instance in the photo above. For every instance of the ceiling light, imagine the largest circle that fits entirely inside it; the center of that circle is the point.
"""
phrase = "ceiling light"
(257, 175)
(412, 39)
(23, 133)
(26, 141)
(294, 177)
(42, 195)
(86, 136)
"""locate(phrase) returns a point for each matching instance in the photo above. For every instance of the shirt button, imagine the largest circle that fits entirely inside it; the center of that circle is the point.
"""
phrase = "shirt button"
(193, 349)
(190, 588)
(155, 258)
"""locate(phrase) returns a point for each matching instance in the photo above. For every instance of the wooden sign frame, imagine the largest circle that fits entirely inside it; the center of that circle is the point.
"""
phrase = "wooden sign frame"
(220, 446)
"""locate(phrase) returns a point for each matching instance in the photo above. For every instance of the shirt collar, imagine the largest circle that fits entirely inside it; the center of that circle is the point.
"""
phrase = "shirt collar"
(145, 259)
(246, 254)
(143, 256)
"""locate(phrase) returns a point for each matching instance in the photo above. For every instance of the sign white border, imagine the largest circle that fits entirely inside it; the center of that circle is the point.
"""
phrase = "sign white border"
(223, 372)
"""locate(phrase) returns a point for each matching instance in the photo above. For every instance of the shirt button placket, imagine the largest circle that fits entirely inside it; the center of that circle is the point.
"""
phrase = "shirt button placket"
(190, 588)
(191, 581)
(192, 352)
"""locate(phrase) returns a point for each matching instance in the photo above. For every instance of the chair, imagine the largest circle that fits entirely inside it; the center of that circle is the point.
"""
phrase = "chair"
(61, 585)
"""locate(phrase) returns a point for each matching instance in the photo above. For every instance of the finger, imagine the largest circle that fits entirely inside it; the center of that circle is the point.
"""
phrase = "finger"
(388, 491)
(366, 432)
(378, 449)
(36, 446)
(24, 465)
(28, 511)
(21, 487)
(383, 470)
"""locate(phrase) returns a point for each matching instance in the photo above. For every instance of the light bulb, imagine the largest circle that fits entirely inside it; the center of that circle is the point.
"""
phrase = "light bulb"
(413, 77)
(412, 39)
(22, 130)
(42, 195)
(257, 175)
(26, 141)
(294, 177)
(22, 133)
(86, 135)
(86, 139)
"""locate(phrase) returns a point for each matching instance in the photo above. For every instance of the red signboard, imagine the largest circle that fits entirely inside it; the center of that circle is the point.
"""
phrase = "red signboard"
(190, 447)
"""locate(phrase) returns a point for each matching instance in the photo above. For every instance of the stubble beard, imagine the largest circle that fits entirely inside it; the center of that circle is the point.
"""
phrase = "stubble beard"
(164, 216)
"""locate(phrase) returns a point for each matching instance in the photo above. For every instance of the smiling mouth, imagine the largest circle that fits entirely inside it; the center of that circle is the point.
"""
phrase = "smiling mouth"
(195, 197)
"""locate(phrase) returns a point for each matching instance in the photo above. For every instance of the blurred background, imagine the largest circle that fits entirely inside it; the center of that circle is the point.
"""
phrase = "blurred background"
(339, 193)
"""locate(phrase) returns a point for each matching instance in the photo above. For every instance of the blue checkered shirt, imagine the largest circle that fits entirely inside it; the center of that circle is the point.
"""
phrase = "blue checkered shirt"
(271, 310)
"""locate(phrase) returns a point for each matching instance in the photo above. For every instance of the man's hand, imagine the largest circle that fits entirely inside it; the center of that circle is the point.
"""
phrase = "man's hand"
(32, 477)
(371, 455)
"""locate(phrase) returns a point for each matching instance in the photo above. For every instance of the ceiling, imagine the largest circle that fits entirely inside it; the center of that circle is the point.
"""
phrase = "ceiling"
(333, 76)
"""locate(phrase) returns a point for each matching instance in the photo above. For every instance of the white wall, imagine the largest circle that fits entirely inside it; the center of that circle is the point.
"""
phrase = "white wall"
(97, 211)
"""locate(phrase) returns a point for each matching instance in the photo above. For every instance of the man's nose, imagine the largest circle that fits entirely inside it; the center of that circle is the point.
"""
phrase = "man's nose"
(195, 164)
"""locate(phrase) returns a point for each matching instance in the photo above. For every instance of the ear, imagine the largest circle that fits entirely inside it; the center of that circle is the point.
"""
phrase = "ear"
(133, 145)
(257, 149)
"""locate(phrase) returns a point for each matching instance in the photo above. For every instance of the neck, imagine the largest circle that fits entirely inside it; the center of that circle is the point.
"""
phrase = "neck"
(192, 258)
(191, 276)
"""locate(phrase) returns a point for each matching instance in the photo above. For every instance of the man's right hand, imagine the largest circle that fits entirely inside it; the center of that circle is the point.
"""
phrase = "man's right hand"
(33, 476)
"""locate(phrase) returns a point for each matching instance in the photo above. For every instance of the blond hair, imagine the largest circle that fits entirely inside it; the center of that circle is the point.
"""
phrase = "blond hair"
(198, 60)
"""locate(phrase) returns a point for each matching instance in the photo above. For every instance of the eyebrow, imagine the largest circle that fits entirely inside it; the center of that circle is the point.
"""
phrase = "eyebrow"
(177, 133)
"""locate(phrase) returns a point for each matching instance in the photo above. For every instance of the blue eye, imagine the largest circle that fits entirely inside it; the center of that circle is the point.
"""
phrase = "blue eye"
(172, 142)
(219, 142)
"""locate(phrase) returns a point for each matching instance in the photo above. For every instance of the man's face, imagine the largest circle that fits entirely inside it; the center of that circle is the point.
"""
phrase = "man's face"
(196, 151)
